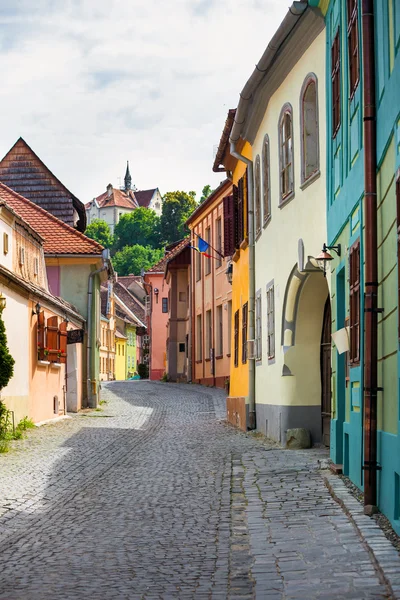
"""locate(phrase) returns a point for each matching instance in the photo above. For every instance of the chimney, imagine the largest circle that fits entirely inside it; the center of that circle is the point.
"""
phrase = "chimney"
(109, 190)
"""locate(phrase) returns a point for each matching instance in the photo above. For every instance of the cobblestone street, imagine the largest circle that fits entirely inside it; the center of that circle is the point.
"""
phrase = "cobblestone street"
(155, 497)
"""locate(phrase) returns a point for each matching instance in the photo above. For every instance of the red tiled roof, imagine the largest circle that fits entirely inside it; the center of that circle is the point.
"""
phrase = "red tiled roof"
(130, 301)
(223, 143)
(59, 238)
(116, 198)
(126, 280)
(144, 197)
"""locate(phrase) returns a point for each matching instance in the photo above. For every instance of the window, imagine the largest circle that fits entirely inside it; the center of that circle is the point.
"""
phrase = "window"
(229, 326)
(208, 334)
(352, 45)
(182, 347)
(355, 304)
(220, 332)
(236, 339)
(309, 128)
(199, 339)
(229, 226)
(5, 243)
(258, 326)
(22, 256)
(257, 194)
(123, 350)
(266, 180)
(165, 305)
(286, 153)
(335, 76)
(271, 321)
(129, 361)
(240, 210)
(398, 244)
(219, 243)
(119, 349)
(244, 332)
(208, 260)
(198, 266)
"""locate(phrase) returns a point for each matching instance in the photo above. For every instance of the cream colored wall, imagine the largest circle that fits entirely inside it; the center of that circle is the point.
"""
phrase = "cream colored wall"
(6, 259)
(303, 217)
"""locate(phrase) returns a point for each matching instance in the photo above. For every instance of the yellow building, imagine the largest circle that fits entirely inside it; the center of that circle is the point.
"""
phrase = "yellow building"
(233, 161)
(120, 355)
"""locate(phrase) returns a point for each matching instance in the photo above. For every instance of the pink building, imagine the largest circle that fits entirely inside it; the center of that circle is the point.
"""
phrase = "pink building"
(157, 309)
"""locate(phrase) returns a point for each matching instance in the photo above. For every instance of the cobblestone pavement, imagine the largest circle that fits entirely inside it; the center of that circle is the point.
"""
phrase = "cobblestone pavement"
(154, 497)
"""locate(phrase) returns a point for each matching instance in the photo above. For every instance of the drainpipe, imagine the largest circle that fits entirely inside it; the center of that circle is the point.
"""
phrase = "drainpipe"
(252, 286)
(371, 262)
(89, 333)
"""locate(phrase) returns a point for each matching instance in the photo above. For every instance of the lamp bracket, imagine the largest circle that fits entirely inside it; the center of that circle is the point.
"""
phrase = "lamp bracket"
(337, 248)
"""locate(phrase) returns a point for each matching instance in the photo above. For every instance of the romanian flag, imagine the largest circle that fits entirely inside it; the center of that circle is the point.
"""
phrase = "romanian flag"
(202, 247)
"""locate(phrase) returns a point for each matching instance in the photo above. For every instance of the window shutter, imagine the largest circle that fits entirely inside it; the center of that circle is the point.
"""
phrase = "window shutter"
(63, 341)
(52, 338)
(239, 212)
(229, 246)
(41, 328)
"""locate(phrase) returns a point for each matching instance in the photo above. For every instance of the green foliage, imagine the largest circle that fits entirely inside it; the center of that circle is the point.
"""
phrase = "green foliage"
(7, 433)
(164, 378)
(143, 370)
(6, 360)
(207, 191)
(176, 209)
(142, 227)
(99, 231)
(132, 259)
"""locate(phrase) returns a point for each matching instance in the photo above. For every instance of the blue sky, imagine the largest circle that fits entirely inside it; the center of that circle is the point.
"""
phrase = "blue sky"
(90, 84)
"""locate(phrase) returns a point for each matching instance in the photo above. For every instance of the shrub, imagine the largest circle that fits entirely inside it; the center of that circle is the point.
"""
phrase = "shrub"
(143, 370)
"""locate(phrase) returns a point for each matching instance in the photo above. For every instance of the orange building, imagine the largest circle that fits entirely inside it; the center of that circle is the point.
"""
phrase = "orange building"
(211, 293)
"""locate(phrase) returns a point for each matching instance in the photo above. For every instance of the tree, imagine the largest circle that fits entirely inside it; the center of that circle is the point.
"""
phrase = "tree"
(132, 259)
(6, 360)
(99, 231)
(176, 209)
(207, 191)
(142, 227)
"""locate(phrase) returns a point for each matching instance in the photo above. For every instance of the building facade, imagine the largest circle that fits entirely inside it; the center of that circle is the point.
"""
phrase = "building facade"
(211, 292)
(157, 310)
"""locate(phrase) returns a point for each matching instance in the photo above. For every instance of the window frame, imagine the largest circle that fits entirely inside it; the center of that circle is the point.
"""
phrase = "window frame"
(286, 196)
(199, 332)
(258, 326)
(219, 243)
(270, 291)
(164, 304)
(220, 331)
(198, 266)
(353, 51)
(236, 338)
(310, 79)
(266, 180)
(245, 316)
(207, 261)
(355, 303)
(257, 195)
(208, 332)
(335, 84)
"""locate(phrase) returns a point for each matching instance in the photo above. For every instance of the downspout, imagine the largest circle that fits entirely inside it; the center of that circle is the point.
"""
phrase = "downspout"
(371, 262)
(250, 210)
(89, 335)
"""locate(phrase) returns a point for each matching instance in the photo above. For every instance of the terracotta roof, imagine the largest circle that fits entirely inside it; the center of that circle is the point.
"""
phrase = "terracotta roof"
(120, 335)
(59, 238)
(181, 247)
(144, 197)
(126, 280)
(158, 267)
(130, 301)
(116, 198)
(23, 171)
(224, 140)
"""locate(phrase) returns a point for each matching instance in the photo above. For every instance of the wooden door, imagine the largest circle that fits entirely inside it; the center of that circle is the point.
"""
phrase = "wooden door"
(326, 392)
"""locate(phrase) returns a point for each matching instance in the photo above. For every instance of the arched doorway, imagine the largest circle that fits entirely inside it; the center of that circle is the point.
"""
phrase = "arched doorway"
(326, 389)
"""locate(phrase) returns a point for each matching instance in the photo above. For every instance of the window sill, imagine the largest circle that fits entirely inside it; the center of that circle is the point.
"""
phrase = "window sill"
(258, 235)
(56, 365)
(286, 200)
(244, 243)
(207, 360)
(219, 357)
(198, 362)
(43, 363)
(236, 256)
(228, 355)
(267, 222)
(310, 180)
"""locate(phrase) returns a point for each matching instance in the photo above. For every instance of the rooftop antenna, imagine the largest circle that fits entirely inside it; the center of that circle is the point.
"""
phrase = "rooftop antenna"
(119, 182)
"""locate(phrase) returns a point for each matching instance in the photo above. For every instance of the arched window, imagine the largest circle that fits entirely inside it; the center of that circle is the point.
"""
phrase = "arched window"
(266, 180)
(257, 194)
(286, 154)
(309, 128)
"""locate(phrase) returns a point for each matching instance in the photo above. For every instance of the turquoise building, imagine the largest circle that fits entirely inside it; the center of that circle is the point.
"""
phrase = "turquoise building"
(348, 161)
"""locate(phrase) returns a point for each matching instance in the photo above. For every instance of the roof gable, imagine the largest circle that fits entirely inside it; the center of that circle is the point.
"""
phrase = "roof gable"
(144, 197)
(23, 171)
(59, 238)
(117, 197)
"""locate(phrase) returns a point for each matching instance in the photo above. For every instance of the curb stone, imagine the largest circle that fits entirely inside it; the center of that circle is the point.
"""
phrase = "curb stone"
(385, 557)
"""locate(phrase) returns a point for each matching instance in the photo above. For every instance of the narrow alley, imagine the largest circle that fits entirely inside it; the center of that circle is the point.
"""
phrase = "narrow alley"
(154, 496)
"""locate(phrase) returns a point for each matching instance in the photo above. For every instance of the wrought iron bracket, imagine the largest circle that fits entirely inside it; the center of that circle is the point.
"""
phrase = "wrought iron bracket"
(371, 466)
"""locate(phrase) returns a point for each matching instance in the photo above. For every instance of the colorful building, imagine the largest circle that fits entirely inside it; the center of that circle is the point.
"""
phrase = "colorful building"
(41, 329)
(157, 309)
(120, 355)
(211, 296)
(235, 160)
(285, 126)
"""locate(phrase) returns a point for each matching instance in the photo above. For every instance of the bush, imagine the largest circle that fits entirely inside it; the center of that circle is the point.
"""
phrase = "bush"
(143, 370)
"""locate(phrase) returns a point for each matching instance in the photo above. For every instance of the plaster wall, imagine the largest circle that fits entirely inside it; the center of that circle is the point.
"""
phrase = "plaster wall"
(292, 378)
(6, 259)
(158, 324)
(120, 360)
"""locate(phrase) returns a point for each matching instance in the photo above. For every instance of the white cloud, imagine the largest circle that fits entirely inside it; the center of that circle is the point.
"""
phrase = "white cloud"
(90, 84)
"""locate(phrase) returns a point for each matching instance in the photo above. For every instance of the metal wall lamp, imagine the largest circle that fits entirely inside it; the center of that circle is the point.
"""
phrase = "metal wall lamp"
(36, 310)
(324, 256)
(229, 273)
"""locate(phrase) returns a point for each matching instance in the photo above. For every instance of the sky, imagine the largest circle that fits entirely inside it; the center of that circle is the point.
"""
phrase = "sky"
(90, 84)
